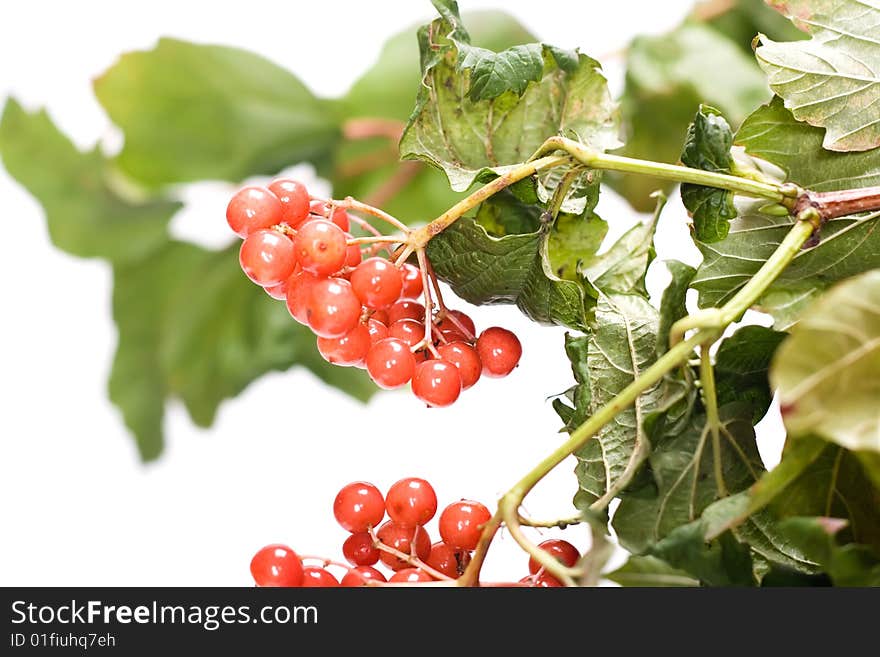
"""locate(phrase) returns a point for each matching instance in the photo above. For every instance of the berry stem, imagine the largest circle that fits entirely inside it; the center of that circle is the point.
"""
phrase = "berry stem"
(379, 239)
(350, 203)
(411, 559)
(429, 306)
(561, 523)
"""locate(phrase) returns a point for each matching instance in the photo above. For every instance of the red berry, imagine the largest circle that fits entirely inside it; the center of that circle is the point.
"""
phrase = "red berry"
(277, 565)
(350, 349)
(408, 331)
(448, 560)
(564, 551)
(294, 200)
(332, 308)
(545, 580)
(277, 291)
(360, 575)
(405, 309)
(451, 332)
(411, 501)
(251, 209)
(401, 539)
(410, 576)
(353, 255)
(436, 382)
(358, 549)
(390, 363)
(381, 316)
(318, 577)
(465, 321)
(377, 282)
(465, 358)
(499, 351)
(461, 524)
(321, 247)
(267, 257)
(412, 281)
(378, 330)
(359, 506)
(340, 218)
(299, 287)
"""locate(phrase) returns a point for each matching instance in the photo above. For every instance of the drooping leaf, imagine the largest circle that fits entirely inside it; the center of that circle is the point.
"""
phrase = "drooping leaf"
(722, 562)
(576, 411)
(621, 346)
(847, 564)
(646, 571)
(192, 327)
(741, 366)
(190, 112)
(827, 371)
(667, 77)
(683, 466)
(386, 91)
(833, 79)
(86, 214)
(466, 132)
(707, 146)
(672, 304)
(513, 269)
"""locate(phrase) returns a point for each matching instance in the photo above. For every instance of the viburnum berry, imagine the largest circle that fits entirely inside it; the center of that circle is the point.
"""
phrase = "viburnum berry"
(359, 506)
(251, 209)
(465, 321)
(278, 291)
(402, 539)
(332, 309)
(350, 349)
(405, 309)
(353, 255)
(340, 217)
(361, 575)
(358, 549)
(410, 576)
(411, 501)
(412, 281)
(545, 580)
(465, 358)
(377, 282)
(294, 200)
(450, 332)
(436, 382)
(378, 330)
(408, 331)
(390, 363)
(321, 247)
(299, 287)
(318, 577)
(499, 351)
(277, 565)
(461, 523)
(564, 551)
(448, 560)
(267, 257)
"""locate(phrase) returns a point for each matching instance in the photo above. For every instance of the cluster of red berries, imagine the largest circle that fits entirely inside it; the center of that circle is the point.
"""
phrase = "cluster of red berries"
(364, 311)
(400, 546)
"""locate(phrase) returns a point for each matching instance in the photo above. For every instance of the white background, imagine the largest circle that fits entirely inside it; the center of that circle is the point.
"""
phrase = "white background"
(76, 505)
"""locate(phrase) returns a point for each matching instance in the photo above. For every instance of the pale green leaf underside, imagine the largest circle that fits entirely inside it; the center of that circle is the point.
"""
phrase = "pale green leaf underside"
(828, 372)
(832, 80)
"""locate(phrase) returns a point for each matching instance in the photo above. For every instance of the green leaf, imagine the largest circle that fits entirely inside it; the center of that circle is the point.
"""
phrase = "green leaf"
(622, 345)
(644, 571)
(827, 371)
(707, 146)
(192, 112)
(832, 80)
(468, 133)
(573, 415)
(573, 240)
(667, 77)
(513, 269)
(386, 91)
(683, 467)
(192, 327)
(87, 213)
(773, 134)
(741, 365)
(723, 562)
(848, 564)
(672, 304)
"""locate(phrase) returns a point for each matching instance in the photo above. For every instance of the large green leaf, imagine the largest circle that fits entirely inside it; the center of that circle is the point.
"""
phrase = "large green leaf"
(478, 111)
(86, 213)
(673, 302)
(707, 147)
(833, 79)
(192, 111)
(387, 91)
(683, 465)
(828, 372)
(483, 269)
(741, 366)
(644, 571)
(191, 326)
(667, 77)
